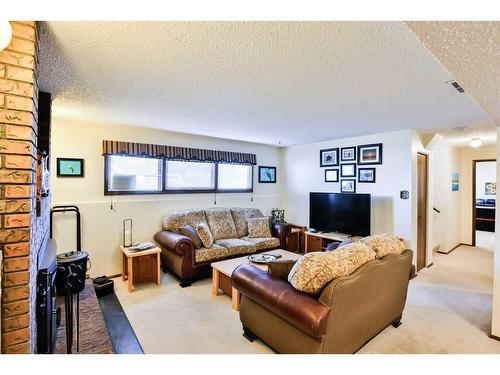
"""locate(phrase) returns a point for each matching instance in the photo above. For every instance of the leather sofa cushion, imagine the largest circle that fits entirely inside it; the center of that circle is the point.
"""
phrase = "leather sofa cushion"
(235, 246)
(263, 243)
(298, 309)
(213, 253)
(240, 218)
(174, 220)
(259, 227)
(384, 244)
(190, 232)
(221, 223)
(315, 270)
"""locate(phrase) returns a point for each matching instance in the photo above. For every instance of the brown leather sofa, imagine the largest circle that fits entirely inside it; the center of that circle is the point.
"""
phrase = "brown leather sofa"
(180, 256)
(348, 313)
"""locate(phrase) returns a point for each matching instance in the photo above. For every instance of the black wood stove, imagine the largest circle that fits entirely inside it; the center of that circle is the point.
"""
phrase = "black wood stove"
(47, 311)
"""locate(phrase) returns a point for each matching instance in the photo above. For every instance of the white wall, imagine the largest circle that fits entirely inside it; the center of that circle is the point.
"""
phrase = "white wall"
(390, 214)
(485, 172)
(446, 225)
(101, 225)
(467, 155)
(495, 324)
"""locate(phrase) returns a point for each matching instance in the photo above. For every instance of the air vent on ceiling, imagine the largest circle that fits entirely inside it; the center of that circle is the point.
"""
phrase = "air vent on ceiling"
(457, 86)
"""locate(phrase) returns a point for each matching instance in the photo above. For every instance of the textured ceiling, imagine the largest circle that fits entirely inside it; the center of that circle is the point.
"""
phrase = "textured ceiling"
(267, 82)
(461, 137)
(470, 51)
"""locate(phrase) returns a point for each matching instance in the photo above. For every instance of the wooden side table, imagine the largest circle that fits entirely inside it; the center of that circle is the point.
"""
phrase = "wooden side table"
(317, 241)
(140, 266)
(296, 239)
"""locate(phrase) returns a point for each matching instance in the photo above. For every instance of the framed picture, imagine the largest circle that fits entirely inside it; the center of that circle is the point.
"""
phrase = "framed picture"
(370, 154)
(267, 175)
(348, 186)
(70, 167)
(366, 175)
(329, 157)
(490, 188)
(348, 154)
(455, 181)
(348, 170)
(331, 175)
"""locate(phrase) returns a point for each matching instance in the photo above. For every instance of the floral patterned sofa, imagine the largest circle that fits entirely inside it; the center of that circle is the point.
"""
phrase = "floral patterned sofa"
(229, 228)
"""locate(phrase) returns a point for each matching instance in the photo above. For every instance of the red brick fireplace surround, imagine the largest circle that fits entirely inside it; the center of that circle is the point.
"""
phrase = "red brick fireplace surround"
(21, 229)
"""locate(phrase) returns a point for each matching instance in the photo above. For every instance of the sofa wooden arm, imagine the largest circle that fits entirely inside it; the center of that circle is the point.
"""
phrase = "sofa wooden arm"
(282, 231)
(298, 309)
(174, 242)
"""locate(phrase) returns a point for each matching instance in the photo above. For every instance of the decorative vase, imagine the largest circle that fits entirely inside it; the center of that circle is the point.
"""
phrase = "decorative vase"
(45, 175)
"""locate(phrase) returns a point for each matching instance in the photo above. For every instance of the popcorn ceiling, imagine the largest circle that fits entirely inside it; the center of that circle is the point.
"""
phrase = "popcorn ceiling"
(265, 82)
(470, 51)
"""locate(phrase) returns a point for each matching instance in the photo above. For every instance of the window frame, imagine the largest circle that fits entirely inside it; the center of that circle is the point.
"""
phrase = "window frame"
(186, 191)
(250, 190)
(164, 190)
(130, 192)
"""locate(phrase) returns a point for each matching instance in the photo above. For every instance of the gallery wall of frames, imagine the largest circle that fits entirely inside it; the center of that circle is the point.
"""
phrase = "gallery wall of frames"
(351, 165)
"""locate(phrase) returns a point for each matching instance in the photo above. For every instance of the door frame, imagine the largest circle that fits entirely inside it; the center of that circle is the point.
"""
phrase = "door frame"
(474, 162)
(427, 214)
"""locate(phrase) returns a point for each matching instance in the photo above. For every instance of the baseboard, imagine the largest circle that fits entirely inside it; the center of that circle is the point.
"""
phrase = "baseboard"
(453, 248)
(494, 337)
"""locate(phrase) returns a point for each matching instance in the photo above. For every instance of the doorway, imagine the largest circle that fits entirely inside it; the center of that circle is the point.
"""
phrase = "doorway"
(483, 203)
(422, 197)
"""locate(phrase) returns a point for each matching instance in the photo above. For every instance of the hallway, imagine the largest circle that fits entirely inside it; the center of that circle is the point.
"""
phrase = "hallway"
(448, 308)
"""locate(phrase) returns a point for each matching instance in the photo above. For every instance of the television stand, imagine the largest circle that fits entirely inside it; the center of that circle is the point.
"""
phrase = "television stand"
(318, 241)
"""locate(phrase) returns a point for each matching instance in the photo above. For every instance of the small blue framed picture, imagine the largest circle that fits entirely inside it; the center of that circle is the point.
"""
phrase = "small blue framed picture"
(70, 167)
(267, 175)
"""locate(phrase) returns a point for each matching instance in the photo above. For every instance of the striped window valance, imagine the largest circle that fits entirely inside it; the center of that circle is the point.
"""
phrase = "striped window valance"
(176, 153)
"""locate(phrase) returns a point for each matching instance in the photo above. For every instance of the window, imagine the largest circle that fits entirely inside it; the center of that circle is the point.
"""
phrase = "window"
(142, 175)
(184, 175)
(133, 174)
(234, 177)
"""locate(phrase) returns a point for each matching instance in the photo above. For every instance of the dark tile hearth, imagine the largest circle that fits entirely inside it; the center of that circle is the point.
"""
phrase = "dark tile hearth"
(94, 336)
(104, 327)
(122, 335)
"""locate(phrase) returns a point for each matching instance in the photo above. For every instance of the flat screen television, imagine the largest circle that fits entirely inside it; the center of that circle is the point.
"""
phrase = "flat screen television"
(343, 213)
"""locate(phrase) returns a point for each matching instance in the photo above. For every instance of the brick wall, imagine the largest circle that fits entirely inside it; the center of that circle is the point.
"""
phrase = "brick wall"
(21, 231)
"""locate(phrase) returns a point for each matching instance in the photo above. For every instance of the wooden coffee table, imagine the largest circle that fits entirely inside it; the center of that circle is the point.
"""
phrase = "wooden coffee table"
(222, 271)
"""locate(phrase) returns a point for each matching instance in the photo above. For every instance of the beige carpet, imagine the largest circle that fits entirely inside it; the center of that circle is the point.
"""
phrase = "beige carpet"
(448, 311)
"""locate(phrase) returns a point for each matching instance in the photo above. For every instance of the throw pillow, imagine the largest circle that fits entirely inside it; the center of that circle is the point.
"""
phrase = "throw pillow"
(315, 270)
(190, 232)
(384, 244)
(259, 227)
(280, 268)
(240, 217)
(205, 235)
(332, 246)
(338, 245)
(221, 223)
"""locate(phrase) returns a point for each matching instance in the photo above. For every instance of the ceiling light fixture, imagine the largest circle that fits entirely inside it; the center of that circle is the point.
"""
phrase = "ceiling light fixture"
(5, 34)
(476, 142)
